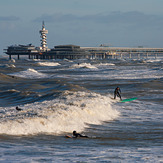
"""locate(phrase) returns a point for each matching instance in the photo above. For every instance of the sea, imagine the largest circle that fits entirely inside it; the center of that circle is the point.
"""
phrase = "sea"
(57, 97)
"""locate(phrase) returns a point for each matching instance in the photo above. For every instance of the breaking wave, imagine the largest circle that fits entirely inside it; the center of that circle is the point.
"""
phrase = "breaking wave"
(71, 111)
(30, 74)
(84, 65)
(48, 64)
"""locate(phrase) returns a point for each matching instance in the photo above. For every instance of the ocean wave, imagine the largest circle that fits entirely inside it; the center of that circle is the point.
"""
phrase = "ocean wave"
(154, 60)
(71, 111)
(8, 66)
(106, 64)
(48, 64)
(30, 74)
(7, 78)
(12, 61)
(11, 91)
(83, 65)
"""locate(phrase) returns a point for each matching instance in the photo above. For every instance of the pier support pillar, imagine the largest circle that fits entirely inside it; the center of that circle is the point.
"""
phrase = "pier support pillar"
(18, 57)
(155, 56)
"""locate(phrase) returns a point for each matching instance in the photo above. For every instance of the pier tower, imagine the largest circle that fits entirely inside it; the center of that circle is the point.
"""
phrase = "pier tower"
(43, 33)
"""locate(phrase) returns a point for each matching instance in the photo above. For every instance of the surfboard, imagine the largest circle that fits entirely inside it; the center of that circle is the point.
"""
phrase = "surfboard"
(129, 99)
(68, 136)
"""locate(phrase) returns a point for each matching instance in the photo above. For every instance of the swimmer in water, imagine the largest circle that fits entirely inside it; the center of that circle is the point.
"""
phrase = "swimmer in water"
(18, 109)
(75, 135)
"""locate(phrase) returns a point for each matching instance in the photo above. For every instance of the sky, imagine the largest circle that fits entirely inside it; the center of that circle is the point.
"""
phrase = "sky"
(118, 23)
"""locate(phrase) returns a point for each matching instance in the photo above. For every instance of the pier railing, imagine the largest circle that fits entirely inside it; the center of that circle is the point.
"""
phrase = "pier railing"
(94, 53)
(121, 52)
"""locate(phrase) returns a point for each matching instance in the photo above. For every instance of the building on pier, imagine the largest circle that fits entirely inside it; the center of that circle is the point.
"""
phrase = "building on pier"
(43, 33)
(69, 52)
(42, 52)
(74, 51)
(62, 52)
(20, 50)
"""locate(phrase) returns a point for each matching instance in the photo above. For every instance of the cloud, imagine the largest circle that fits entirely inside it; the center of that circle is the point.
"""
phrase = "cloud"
(9, 18)
(133, 18)
(131, 27)
(57, 18)
(8, 22)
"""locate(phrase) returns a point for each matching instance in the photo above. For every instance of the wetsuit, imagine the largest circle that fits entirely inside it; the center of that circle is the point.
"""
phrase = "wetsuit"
(18, 109)
(75, 134)
(117, 93)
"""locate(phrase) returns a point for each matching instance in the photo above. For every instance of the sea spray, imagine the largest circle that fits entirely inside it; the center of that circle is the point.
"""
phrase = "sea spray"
(29, 74)
(71, 111)
(48, 64)
(83, 66)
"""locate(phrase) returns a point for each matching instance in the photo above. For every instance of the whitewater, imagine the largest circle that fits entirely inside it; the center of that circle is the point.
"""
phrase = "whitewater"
(60, 96)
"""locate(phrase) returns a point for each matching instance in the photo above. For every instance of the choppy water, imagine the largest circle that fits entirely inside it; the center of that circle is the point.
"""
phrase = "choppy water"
(59, 96)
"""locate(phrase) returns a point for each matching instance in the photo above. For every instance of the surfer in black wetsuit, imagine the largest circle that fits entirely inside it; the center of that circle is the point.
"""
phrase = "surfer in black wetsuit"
(18, 109)
(75, 134)
(117, 92)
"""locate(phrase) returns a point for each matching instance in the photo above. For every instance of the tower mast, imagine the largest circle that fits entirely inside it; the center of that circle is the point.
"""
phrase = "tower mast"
(43, 33)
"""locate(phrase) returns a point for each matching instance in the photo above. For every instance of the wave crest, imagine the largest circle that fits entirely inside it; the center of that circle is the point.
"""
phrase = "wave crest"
(71, 111)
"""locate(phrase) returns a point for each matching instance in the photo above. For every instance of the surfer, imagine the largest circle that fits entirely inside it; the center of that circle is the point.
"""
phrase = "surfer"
(18, 109)
(117, 92)
(75, 135)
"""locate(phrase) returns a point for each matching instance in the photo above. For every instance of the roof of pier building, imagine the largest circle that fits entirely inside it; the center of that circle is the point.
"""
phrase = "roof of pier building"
(66, 48)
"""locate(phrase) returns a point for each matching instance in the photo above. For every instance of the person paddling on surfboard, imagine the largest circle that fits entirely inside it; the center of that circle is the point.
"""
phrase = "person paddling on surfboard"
(18, 109)
(117, 92)
(75, 135)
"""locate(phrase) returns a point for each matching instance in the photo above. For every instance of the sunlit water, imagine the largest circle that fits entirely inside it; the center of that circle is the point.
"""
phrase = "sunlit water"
(59, 96)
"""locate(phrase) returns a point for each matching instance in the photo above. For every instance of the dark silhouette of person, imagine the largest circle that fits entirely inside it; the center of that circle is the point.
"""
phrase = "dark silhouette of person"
(117, 92)
(75, 135)
(18, 109)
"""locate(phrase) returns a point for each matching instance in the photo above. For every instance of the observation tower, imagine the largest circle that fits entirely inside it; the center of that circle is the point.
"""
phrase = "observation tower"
(43, 33)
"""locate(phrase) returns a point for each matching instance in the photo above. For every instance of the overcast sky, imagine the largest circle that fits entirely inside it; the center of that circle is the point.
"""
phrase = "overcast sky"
(128, 23)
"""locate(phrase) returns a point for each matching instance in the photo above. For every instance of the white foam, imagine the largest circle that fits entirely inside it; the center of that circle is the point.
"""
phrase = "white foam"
(48, 64)
(72, 111)
(106, 64)
(154, 60)
(29, 73)
(12, 61)
(12, 66)
(122, 74)
(9, 66)
(67, 60)
(84, 65)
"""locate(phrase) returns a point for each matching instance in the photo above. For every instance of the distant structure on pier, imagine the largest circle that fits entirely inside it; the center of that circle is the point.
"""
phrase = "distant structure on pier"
(74, 51)
(42, 52)
(43, 33)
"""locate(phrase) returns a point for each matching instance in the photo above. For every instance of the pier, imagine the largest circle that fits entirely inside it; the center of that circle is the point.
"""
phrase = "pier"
(121, 52)
(77, 52)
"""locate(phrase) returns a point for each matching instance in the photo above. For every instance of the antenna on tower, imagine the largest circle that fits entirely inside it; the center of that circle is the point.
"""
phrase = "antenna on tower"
(43, 24)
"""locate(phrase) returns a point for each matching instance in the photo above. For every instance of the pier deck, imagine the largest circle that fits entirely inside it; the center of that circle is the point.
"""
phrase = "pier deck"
(96, 53)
